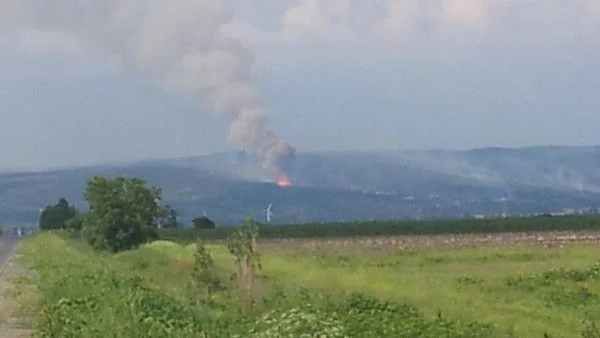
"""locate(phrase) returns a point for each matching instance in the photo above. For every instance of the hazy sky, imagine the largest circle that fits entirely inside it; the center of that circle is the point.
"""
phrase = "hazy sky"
(334, 74)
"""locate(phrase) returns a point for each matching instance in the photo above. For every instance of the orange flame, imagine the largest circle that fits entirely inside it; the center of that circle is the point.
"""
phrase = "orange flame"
(283, 181)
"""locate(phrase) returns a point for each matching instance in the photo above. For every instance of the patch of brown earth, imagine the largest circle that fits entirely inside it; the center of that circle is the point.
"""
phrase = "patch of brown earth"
(12, 324)
(403, 243)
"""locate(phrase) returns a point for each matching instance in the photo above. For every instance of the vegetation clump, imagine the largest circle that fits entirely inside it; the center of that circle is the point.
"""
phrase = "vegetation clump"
(244, 248)
(168, 218)
(532, 281)
(204, 274)
(57, 216)
(203, 222)
(123, 213)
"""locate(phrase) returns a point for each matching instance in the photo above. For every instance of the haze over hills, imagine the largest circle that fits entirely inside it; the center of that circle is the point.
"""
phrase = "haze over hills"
(334, 186)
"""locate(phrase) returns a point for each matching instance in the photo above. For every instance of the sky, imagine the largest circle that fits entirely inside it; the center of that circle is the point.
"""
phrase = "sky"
(332, 75)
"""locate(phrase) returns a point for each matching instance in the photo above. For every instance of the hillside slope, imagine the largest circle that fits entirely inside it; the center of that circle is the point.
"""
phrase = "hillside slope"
(340, 185)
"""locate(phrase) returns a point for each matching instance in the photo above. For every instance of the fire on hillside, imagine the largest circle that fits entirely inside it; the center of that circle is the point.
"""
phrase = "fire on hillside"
(283, 181)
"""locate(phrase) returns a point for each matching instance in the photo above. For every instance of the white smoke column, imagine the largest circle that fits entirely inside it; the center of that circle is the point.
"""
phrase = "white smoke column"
(178, 43)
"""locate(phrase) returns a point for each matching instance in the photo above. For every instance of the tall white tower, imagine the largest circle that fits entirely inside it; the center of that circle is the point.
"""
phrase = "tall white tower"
(269, 212)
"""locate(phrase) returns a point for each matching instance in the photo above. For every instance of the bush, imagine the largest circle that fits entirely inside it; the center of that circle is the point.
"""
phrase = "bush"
(369, 317)
(203, 222)
(123, 213)
(204, 273)
(357, 316)
(244, 248)
(143, 312)
(57, 216)
(302, 323)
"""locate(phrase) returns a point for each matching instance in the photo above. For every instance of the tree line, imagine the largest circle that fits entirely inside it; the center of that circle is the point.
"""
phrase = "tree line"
(542, 223)
(123, 213)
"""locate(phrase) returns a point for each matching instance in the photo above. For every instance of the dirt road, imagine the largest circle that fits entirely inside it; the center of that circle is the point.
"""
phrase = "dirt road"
(10, 325)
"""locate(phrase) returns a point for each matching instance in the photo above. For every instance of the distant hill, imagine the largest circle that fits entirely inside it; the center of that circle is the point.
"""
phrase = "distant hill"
(341, 185)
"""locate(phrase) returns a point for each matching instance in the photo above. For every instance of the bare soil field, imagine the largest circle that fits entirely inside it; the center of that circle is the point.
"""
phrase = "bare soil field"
(404, 243)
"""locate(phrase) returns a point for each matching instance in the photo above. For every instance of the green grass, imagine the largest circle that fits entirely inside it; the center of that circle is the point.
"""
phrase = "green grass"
(469, 284)
(519, 292)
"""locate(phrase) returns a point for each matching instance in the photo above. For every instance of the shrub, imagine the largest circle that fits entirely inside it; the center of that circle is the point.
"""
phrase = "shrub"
(303, 323)
(203, 222)
(132, 310)
(57, 216)
(204, 273)
(243, 246)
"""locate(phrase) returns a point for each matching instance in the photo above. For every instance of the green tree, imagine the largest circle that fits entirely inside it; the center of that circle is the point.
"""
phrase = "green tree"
(123, 213)
(169, 218)
(77, 223)
(203, 222)
(56, 216)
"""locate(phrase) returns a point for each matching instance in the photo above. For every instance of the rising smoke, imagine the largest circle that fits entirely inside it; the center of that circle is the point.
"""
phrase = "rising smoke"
(178, 43)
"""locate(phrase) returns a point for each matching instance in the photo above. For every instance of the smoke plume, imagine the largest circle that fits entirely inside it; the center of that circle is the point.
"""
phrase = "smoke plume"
(179, 43)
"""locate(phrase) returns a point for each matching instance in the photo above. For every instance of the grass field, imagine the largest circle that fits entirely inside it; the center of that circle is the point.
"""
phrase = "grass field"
(502, 285)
